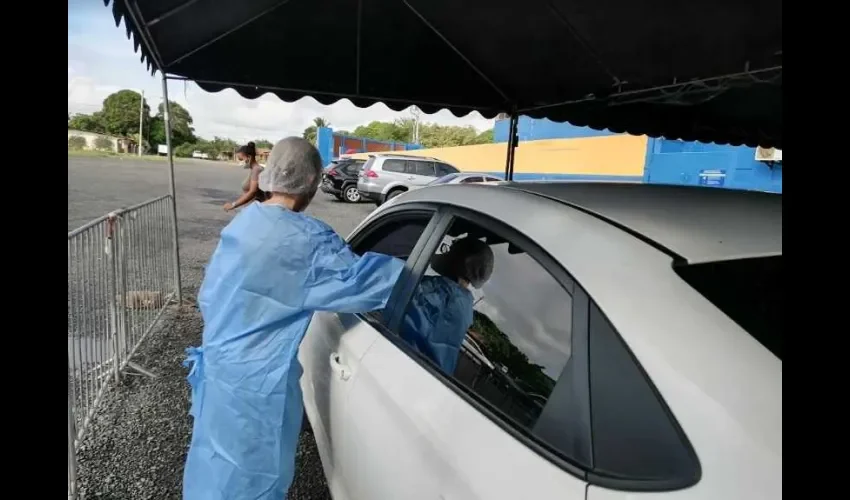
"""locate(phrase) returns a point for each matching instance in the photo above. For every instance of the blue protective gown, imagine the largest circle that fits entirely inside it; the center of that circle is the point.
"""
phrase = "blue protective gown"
(271, 270)
(437, 319)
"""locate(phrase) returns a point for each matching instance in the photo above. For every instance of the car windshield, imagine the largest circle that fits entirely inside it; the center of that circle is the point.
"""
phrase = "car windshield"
(444, 179)
(749, 291)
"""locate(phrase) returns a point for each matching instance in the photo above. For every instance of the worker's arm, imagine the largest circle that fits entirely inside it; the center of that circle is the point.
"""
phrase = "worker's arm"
(342, 281)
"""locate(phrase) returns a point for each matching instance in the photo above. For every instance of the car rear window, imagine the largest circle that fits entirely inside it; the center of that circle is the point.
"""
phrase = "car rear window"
(749, 291)
(396, 166)
(445, 179)
(369, 163)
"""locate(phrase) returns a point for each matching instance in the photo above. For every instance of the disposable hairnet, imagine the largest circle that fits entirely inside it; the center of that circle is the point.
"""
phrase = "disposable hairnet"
(468, 258)
(294, 167)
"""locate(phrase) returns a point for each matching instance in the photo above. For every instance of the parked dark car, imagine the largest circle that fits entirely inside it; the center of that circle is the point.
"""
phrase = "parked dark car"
(340, 179)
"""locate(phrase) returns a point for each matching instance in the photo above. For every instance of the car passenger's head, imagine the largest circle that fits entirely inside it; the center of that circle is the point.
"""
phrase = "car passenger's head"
(292, 174)
(469, 261)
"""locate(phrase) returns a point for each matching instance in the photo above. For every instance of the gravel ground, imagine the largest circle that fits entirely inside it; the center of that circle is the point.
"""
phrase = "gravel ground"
(137, 443)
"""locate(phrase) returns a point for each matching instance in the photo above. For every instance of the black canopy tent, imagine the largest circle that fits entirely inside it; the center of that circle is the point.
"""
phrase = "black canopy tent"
(708, 70)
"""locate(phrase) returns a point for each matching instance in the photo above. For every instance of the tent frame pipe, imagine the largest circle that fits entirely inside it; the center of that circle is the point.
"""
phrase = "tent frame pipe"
(178, 289)
(513, 139)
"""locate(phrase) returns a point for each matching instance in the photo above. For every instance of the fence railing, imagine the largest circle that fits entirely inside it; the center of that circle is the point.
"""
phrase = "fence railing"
(121, 275)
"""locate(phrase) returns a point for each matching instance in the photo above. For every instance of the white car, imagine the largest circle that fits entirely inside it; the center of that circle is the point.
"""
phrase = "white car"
(627, 346)
(464, 178)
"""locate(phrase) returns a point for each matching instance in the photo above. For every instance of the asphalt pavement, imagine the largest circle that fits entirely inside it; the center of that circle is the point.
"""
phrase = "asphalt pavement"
(137, 443)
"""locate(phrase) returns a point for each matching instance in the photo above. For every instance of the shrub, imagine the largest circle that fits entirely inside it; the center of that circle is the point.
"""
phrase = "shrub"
(103, 144)
(76, 142)
(184, 150)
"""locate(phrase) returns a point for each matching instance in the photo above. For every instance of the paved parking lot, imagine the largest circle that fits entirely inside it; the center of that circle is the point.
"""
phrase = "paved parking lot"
(138, 441)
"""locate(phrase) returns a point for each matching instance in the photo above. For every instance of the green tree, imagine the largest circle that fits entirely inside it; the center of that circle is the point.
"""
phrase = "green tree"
(431, 135)
(87, 123)
(485, 137)
(310, 133)
(121, 113)
(182, 131)
(499, 349)
(263, 144)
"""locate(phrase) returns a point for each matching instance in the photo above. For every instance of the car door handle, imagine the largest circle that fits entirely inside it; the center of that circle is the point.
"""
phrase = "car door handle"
(341, 370)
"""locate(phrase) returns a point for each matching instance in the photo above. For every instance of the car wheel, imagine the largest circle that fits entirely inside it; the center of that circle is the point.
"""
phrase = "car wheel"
(392, 194)
(352, 195)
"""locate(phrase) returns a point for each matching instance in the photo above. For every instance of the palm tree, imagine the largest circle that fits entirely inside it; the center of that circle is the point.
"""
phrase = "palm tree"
(310, 132)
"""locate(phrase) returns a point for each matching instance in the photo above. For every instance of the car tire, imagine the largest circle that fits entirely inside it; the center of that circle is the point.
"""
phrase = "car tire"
(392, 194)
(351, 194)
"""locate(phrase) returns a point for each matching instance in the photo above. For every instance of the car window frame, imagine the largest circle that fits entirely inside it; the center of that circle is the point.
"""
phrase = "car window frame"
(390, 216)
(388, 160)
(451, 169)
(412, 166)
(393, 319)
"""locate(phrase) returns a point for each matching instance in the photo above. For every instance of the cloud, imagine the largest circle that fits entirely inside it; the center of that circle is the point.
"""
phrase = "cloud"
(101, 60)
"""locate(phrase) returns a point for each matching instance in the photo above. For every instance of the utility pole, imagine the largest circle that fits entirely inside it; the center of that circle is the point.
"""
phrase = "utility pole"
(141, 121)
(415, 112)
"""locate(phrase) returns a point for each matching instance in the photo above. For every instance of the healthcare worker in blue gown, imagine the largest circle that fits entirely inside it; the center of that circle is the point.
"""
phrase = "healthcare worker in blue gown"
(273, 267)
(441, 309)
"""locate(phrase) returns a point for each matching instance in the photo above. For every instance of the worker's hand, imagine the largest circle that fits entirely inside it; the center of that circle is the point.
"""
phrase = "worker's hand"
(228, 206)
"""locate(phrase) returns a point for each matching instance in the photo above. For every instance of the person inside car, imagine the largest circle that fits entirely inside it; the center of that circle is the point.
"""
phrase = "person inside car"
(441, 309)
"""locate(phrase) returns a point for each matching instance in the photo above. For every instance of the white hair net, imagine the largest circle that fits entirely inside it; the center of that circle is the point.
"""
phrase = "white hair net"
(468, 258)
(294, 167)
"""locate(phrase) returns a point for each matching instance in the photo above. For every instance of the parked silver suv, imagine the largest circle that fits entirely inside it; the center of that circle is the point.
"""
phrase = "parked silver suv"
(386, 176)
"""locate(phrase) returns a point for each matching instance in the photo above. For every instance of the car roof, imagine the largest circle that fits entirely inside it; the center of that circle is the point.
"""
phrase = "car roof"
(696, 224)
(405, 157)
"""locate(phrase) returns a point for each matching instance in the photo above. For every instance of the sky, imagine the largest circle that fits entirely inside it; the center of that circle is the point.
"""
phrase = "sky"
(101, 61)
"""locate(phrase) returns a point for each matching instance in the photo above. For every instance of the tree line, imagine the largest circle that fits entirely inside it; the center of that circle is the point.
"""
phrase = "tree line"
(431, 135)
(119, 116)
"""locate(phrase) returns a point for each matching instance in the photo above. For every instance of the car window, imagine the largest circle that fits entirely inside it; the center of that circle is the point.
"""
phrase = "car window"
(394, 166)
(445, 169)
(353, 167)
(444, 179)
(749, 291)
(471, 179)
(396, 236)
(425, 168)
(510, 349)
(626, 408)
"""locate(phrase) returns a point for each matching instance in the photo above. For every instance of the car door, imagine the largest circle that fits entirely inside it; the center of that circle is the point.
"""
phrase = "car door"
(335, 343)
(421, 173)
(511, 421)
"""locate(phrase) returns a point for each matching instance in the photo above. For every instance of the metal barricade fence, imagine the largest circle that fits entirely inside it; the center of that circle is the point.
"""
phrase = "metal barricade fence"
(121, 276)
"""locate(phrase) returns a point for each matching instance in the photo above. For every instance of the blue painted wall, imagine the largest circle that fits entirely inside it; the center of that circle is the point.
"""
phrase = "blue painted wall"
(695, 163)
(530, 129)
(670, 161)
(325, 144)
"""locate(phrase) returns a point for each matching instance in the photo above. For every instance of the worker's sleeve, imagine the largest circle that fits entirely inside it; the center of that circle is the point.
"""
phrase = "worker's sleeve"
(341, 281)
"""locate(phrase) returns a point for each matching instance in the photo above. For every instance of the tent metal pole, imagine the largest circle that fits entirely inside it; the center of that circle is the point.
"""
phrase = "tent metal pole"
(174, 234)
(513, 139)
